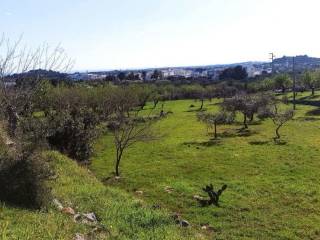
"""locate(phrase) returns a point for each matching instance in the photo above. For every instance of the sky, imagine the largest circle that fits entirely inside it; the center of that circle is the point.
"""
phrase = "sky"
(131, 34)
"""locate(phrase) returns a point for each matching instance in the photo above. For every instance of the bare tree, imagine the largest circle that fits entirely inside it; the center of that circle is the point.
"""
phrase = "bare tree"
(129, 124)
(17, 59)
(279, 118)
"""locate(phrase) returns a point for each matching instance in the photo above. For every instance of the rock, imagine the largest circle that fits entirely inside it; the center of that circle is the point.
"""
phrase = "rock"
(57, 204)
(139, 192)
(197, 197)
(77, 218)
(80, 236)
(168, 189)
(184, 223)
(68, 210)
(90, 217)
(207, 227)
(117, 178)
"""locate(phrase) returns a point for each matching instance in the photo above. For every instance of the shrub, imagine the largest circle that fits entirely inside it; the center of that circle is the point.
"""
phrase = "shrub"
(72, 133)
(23, 179)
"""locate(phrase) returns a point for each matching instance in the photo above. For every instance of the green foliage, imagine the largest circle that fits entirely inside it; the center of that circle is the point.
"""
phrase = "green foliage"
(214, 119)
(71, 116)
(23, 179)
(282, 81)
(122, 215)
(234, 73)
(273, 190)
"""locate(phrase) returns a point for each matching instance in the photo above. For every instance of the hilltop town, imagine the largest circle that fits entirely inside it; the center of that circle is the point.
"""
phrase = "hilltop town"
(210, 72)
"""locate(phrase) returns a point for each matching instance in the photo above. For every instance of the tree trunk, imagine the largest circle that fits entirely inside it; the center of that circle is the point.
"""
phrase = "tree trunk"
(245, 121)
(277, 132)
(12, 121)
(119, 156)
(201, 104)
(155, 103)
(215, 131)
(312, 91)
(251, 117)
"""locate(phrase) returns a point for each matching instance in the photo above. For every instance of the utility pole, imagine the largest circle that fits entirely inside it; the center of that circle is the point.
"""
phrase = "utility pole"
(272, 57)
(294, 81)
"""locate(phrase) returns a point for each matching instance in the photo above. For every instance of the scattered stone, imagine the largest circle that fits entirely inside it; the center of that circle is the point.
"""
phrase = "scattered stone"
(57, 204)
(117, 177)
(197, 197)
(139, 192)
(184, 223)
(90, 216)
(68, 210)
(77, 218)
(207, 227)
(80, 236)
(168, 189)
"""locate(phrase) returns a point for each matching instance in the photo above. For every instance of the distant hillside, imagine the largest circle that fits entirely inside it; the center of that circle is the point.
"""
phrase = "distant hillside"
(302, 62)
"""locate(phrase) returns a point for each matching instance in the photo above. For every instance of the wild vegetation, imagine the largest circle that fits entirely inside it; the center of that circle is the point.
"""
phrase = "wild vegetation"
(155, 134)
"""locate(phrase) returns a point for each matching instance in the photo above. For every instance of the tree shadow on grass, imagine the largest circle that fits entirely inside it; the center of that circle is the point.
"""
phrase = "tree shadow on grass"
(314, 112)
(280, 142)
(310, 97)
(215, 104)
(210, 143)
(259, 143)
(307, 119)
(242, 132)
(197, 110)
(307, 103)
(245, 132)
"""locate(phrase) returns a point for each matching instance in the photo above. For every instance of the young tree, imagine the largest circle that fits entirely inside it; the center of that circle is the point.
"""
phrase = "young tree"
(212, 120)
(282, 81)
(310, 80)
(128, 124)
(246, 104)
(278, 116)
(279, 119)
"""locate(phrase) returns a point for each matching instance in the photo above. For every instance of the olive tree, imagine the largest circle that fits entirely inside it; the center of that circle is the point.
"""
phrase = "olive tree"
(212, 120)
(246, 104)
(310, 80)
(279, 116)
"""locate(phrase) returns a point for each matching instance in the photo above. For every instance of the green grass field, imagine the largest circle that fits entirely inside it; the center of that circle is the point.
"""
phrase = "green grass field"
(273, 190)
(123, 216)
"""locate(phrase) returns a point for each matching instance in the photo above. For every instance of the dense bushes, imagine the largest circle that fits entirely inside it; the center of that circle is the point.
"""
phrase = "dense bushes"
(71, 116)
(23, 179)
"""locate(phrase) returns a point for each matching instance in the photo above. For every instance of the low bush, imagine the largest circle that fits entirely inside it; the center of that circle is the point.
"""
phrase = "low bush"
(23, 179)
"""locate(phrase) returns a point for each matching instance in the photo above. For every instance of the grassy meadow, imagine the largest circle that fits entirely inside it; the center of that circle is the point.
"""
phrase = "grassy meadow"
(273, 189)
(122, 216)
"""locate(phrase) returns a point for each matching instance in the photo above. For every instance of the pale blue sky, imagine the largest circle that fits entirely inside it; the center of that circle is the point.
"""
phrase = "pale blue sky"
(119, 34)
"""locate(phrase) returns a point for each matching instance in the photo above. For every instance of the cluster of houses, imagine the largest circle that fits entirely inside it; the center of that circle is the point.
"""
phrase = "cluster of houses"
(210, 72)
